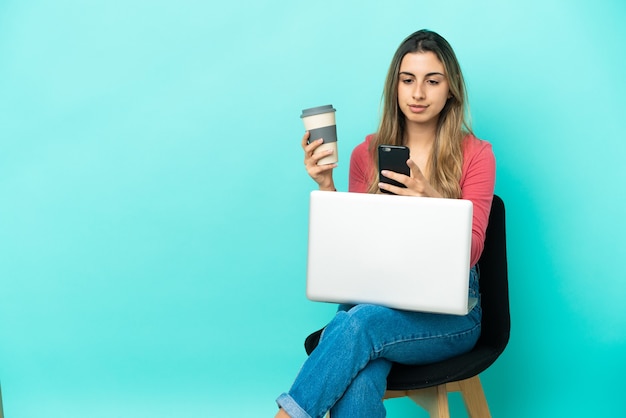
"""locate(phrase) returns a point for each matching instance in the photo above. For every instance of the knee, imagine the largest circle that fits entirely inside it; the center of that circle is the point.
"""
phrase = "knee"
(361, 321)
(368, 317)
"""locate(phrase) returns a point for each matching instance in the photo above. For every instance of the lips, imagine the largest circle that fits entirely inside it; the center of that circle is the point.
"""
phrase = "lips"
(417, 108)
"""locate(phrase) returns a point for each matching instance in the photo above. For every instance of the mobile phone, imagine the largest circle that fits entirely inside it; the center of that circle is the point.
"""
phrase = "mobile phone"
(393, 158)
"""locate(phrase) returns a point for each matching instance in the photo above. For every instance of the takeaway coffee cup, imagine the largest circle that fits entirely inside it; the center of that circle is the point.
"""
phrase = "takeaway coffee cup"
(320, 122)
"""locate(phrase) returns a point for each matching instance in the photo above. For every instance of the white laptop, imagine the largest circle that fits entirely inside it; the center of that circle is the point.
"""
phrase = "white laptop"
(409, 253)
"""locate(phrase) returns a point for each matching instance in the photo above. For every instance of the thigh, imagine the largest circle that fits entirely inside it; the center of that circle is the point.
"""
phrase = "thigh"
(414, 337)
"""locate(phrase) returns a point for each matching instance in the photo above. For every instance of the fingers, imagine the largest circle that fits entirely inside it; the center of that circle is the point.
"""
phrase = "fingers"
(312, 165)
(402, 191)
(311, 157)
(322, 174)
(305, 139)
(390, 187)
(400, 178)
(414, 184)
(309, 149)
(416, 174)
(319, 171)
(418, 184)
(415, 170)
(392, 175)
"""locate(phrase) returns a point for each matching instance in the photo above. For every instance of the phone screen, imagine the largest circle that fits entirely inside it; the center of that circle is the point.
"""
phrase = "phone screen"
(393, 158)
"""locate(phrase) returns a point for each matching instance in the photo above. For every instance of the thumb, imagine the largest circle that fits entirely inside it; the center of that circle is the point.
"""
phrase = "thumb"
(415, 170)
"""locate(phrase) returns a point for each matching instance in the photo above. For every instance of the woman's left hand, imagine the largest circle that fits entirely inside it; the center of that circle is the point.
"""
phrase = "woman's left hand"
(416, 184)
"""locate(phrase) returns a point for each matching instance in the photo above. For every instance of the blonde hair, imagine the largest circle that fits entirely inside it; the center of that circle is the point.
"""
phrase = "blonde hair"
(446, 159)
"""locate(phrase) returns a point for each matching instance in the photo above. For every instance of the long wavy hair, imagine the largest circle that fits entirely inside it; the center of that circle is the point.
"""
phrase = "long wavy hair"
(446, 160)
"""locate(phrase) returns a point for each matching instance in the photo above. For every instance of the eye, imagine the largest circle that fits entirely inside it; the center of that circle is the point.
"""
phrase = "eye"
(406, 80)
(433, 82)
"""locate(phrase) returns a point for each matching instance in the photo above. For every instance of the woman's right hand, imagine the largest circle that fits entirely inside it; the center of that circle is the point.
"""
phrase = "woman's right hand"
(322, 174)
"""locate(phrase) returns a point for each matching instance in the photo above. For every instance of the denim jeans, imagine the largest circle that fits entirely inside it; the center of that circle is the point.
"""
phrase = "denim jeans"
(347, 372)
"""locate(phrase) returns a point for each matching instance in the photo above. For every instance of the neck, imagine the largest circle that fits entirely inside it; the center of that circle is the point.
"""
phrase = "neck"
(420, 137)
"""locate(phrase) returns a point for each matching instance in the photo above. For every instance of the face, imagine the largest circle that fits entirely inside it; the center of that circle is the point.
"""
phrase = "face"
(423, 88)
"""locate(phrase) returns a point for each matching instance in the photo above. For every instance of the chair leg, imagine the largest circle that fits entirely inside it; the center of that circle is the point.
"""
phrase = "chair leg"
(434, 400)
(474, 398)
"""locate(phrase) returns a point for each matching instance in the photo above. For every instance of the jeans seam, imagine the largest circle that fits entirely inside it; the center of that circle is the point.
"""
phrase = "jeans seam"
(383, 346)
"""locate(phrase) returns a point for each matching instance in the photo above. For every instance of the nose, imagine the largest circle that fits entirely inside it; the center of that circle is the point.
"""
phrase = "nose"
(418, 91)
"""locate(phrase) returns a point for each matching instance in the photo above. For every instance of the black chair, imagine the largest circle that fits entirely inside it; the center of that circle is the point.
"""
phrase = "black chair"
(428, 385)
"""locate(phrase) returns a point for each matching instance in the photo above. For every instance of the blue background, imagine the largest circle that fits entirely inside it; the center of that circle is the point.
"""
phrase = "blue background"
(153, 203)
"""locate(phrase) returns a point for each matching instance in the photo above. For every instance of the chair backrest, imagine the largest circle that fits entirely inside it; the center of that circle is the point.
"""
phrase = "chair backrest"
(494, 286)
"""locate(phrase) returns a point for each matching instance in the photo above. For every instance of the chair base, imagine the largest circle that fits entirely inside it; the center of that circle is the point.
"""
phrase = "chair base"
(435, 399)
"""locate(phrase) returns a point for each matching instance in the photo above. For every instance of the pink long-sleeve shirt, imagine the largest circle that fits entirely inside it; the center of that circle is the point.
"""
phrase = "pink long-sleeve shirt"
(477, 182)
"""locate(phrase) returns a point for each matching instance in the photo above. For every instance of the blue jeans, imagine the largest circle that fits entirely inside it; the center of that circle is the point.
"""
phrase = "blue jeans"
(347, 372)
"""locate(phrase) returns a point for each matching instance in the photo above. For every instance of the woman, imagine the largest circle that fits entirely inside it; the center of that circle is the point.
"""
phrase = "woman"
(424, 108)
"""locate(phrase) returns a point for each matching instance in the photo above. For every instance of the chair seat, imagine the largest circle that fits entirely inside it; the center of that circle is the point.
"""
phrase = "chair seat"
(407, 377)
